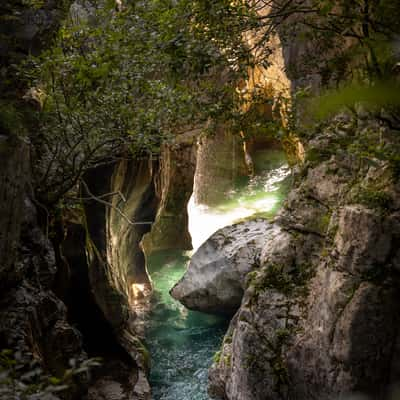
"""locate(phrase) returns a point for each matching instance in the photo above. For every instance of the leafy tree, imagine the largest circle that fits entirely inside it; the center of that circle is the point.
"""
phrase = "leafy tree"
(122, 80)
(130, 80)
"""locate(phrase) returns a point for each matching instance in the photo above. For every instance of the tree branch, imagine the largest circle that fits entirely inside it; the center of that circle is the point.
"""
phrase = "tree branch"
(108, 204)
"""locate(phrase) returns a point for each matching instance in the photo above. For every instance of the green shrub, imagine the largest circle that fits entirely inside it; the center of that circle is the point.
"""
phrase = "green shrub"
(373, 198)
(22, 377)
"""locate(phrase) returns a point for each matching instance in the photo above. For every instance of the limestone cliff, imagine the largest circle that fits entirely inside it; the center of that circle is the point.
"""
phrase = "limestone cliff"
(319, 318)
(33, 319)
(174, 186)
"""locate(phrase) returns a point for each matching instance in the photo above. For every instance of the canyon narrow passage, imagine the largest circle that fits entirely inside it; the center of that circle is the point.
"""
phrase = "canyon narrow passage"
(182, 342)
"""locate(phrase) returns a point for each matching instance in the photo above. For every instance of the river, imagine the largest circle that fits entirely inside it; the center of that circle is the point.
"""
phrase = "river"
(182, 342)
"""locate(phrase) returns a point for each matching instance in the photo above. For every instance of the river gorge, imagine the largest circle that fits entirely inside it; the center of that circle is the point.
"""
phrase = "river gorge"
(182, 343)
(199, 200)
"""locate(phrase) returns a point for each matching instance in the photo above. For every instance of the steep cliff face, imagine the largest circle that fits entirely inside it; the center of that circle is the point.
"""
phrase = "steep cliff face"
(220, 162)
(37, 273)
(319, 318)
(174, 186)
(34, 320)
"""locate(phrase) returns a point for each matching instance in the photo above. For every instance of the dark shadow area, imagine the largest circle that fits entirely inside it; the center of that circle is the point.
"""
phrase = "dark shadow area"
(83, 312)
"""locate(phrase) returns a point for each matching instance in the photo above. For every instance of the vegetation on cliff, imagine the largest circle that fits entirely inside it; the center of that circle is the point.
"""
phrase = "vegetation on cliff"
(121, 78)
(128, 77)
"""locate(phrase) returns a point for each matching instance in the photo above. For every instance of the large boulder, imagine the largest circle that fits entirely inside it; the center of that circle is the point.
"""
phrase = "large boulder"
(215, 279)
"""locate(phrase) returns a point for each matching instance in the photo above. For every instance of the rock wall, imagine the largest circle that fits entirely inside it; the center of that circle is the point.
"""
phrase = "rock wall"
(117, 270)
(33, 319)
(220, 162)
(319, 319)
(36, 273)
(15, 168)
(174, 186)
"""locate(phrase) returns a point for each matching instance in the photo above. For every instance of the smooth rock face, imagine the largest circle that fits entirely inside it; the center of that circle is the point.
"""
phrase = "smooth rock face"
(220, 161)
(117, 260)
(174, 186)
(215, 279)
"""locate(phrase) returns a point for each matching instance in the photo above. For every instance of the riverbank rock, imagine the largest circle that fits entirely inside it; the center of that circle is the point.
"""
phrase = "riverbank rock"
(215, 279)
(319, 317)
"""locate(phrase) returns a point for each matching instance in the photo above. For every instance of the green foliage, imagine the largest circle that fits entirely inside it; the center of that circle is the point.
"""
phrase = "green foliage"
(384, 94)
(22, 378)
(278, 278)
(227, 359)
(11, 119)
(142, 350)
(217, 357)
(352, 49)
(36, 4)
(373, 198)
(323, 223)
(348, 42)
(285, 280)
(316, 155)
(130, 80)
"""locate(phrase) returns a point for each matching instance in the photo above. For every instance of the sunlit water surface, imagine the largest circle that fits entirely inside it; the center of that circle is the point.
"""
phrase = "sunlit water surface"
(262, 195)
(182, 342)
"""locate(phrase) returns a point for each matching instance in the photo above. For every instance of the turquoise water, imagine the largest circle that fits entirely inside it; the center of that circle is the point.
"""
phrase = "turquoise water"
(182, 342)
(261, 195)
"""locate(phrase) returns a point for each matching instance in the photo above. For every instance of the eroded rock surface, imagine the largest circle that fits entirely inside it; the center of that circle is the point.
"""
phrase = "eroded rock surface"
(33, 319)
(319, 316)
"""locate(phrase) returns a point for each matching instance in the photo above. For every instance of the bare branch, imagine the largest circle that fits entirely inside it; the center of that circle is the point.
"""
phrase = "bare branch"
(108, 204)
